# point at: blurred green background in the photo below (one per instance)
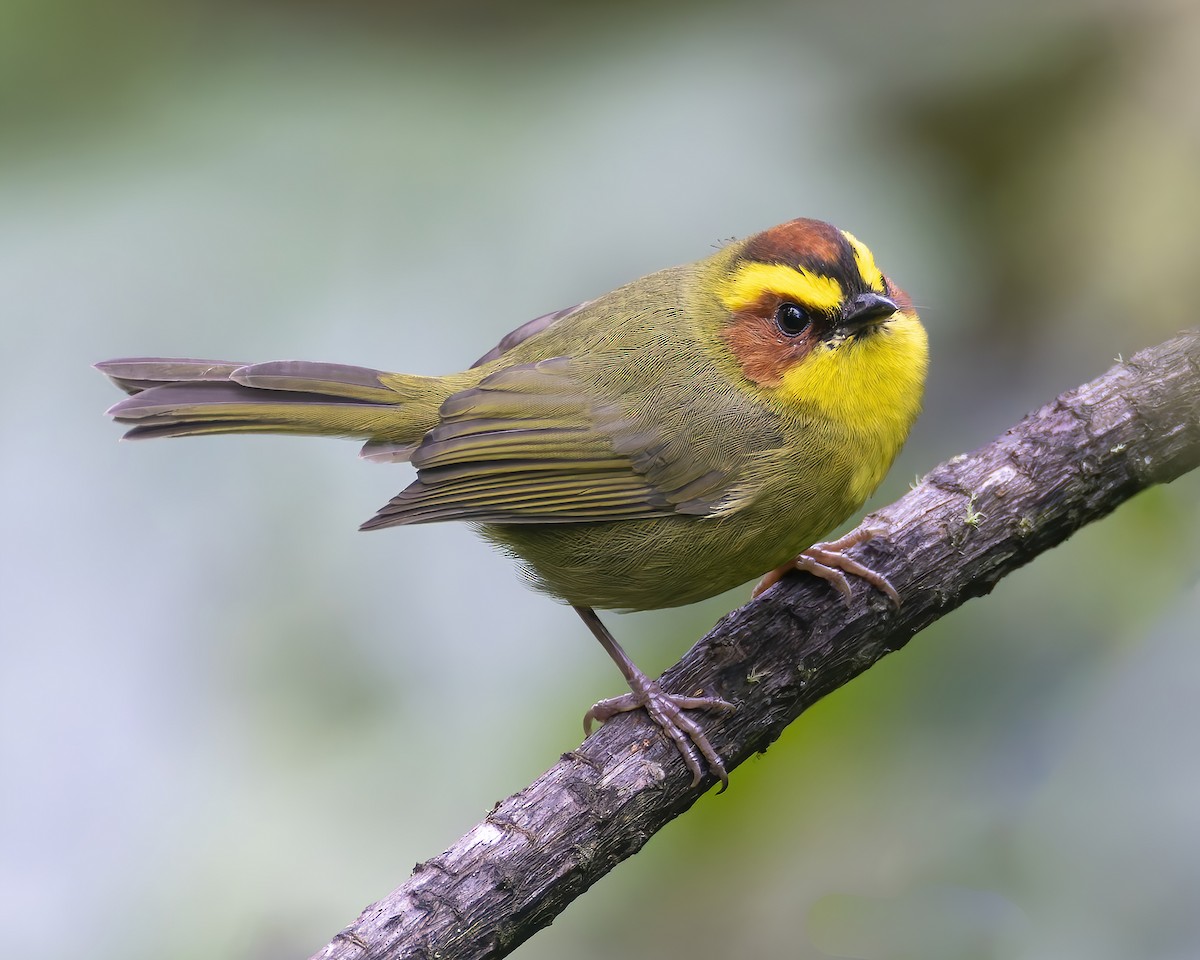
(229, 721)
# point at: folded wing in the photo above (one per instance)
(533, 444)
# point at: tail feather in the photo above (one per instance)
(141, 373)
(328, 379)
(180, 397)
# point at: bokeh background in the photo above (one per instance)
(228, 721)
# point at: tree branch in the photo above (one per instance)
(971, 521)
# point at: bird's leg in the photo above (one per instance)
(665, 709)
(827, 561)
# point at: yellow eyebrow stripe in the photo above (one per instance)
(870, 273)
(748, 285)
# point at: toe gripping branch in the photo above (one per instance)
(829, 562)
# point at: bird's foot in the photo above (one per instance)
(667, 710)
(827, 561)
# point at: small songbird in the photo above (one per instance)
(667, 441)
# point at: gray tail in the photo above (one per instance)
(181, 397)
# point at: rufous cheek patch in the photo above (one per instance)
(761, 349)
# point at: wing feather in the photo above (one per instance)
(532, 444)
(527, 330)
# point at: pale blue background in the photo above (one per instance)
(228, 721)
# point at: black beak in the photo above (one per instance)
(864, 310)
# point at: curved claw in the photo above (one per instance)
(827, 561)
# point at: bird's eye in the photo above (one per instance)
(792, 319)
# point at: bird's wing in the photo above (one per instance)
(531, 444)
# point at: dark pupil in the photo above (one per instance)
(792, 318)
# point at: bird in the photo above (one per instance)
(674, 438)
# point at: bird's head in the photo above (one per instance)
(809, 319)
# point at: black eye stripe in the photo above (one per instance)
(792, 319)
